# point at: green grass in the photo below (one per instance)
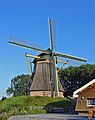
(22, 105)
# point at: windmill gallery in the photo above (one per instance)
(45, 81)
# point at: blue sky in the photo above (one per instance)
(28, 20)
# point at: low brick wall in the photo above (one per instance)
(44, 93)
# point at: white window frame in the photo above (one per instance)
(88, 101)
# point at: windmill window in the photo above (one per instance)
(91, 102)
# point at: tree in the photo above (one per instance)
(19, 85)
(73, 78)
(3, 98)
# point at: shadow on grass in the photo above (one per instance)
(60, 107)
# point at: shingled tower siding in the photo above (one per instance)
(43, 80)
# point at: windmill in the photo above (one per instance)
(45, 70)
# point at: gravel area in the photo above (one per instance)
(49, 117)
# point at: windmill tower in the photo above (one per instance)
(45, 77)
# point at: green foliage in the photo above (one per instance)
(73, 78)
(22, 105)
(19, 85)
(3, 98)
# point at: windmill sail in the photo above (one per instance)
(24, 44)
(70, 57)
(53, 58)
(52, 33)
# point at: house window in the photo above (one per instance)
(90, 101)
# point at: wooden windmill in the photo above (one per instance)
(45, 77)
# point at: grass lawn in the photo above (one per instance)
(22, 105)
